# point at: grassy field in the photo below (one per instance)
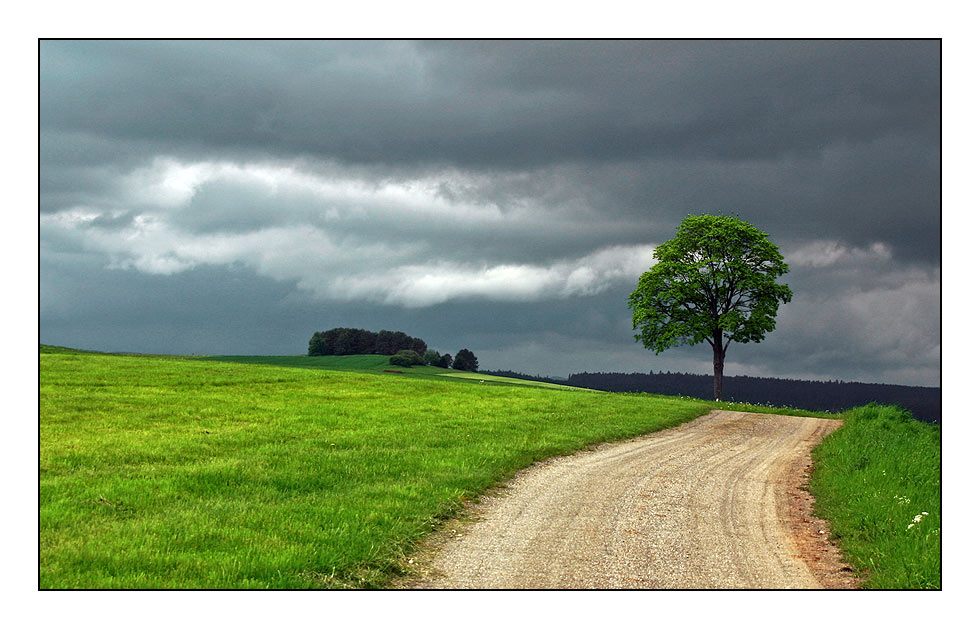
(877, 481)
(365, 362)
(311, 472)
(180, 472)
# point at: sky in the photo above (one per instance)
(233, 197)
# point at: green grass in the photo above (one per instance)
(743, 407)
(180, 472)
(361, 362)
(872, 478)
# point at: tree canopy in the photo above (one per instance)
(715, 281)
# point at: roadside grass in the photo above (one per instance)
(189, 473)
(877, 481)
(765, 409)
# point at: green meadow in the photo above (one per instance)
(304, 472)
(182, 472)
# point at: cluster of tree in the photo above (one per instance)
(925, 403)
(404, 350)
(434, 358)
(347, 341)
(408, 357)
(465, 359)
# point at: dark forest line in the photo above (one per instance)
(925, 403)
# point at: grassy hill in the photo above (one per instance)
(375, 364)
(187, 472)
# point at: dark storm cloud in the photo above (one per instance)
(492, 104)
(826, 132)
(503, 195)
(887, 190)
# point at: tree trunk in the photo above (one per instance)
(719, 363)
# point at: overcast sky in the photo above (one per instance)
(234, 197)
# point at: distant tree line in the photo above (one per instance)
(925, 403)
(523, 376)
(404, 350)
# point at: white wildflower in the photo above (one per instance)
(916, 520)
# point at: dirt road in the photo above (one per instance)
(713, 504)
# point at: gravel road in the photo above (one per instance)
(712, 504)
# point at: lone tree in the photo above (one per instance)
(465, 361)
(714, 281)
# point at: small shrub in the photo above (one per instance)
(406, 358)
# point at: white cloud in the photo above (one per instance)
(373, 272)
(167, 182)
(417, 285)
(321, 253)
(72, 217)
(826, 253)
(170, 184)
